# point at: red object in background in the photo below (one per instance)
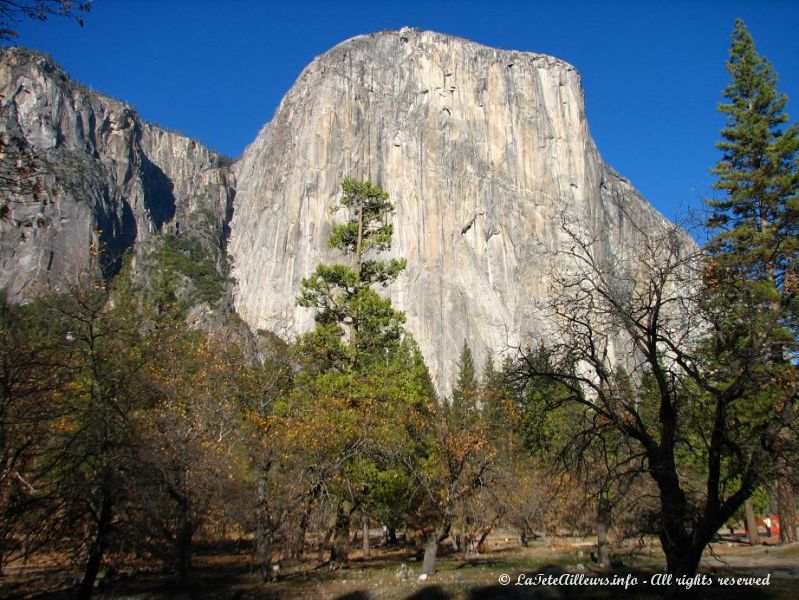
(775, 525)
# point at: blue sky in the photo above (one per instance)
(653, 72)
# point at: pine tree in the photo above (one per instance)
(464, 394)
(751, 277)
(494, 397)
(343, 295)
(758, 214)
(358, 377)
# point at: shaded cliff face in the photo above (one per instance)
(108, 180)
(484, 152)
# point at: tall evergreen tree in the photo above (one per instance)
(343, 295)
(709, 406)
(752, 274)
(758, 213)
(356, 372)
(464, 394)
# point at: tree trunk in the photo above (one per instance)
(298, 548)
(263, 536)
(751, 525)
(97, 549)
(431, 549)
(263, 541)
(321, 556)
(430, 554)
(602, 524)
(482, 547)
(341, 541)
(392, 535)
(786, 507)
(359, 244)
(183, 540)
(546, 537)
(681, 549)
(2, 554)
(682, 563)
(367, 554)
(5, 528)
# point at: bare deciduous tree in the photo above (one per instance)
(641, 351)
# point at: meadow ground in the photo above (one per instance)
(393, 574)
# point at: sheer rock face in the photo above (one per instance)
(484, 153)
(108, 179)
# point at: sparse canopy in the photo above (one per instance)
(368, 227)
(343, 295)
(14, 11)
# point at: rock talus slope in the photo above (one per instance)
(484, 152)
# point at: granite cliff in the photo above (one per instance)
(109, 181)
(484, 153)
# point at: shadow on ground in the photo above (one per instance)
(221, 581)
(577, 592)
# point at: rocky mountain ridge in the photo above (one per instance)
(110, 182)
(484, 152)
